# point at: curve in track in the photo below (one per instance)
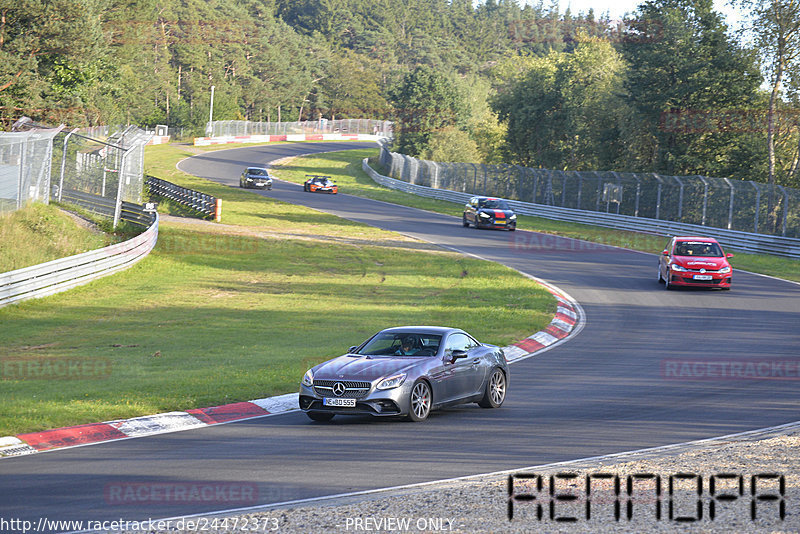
(603, 392)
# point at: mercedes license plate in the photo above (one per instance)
(340, 403)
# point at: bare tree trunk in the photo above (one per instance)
(773, 98)
(795, 162)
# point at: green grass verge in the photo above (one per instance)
(345, 168)
(39, 233)
(222, 313)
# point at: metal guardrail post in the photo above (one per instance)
(658, 197)
(120, 176)
(730, 205)
(758, 206)
(705, 198)
(21, 179)
(785, 208)
(680, 199)
(64, 163)
(598, 192)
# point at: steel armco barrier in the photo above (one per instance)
(743, 241)
(106, 206)
(205, 204)
(743, 206)
(65, 273)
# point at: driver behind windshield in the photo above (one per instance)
(408, 347)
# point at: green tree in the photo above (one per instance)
(44, 46)
(451, 144)
(351, 88)
(425, 102)
(683, 63)
(776, 24)
(527, 107)
(565, 112)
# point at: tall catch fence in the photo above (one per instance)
(92, 172)
(744, 206)
(104, 176)
(321, 126)
(25, 167)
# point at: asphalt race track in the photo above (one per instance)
(608, 390)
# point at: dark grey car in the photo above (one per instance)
(406, 371)
(257, 177)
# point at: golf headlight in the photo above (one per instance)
(676, 267)
(484, 215)
(308, 379)
(725, 269)
(392, 381)
(513, 217)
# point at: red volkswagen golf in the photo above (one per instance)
(694, 261)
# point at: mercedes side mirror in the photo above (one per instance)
(352, 349)
(457, 354)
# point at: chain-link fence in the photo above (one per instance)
(321, 126)
(111, 169)
(25, 165)
(745, 206)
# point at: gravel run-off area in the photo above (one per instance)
(768, 460)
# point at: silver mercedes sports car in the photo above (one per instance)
(406, 371)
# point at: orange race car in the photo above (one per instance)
(320, 184)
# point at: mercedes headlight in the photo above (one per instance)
(484, 215)
(308, 378)
(513, 217)
(392, 381)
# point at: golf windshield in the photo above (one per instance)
(402, 344)
(698, 248)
